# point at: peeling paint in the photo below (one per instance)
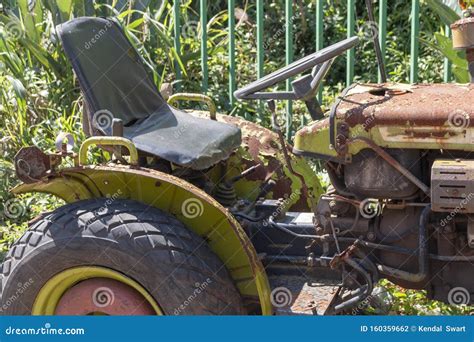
(261, 146)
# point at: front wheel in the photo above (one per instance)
(114, 257)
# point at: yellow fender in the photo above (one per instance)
(189, 204)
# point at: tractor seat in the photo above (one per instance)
(116, 85)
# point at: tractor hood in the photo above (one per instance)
(433, 116)
(401, 104)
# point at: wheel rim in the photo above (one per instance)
(93, 291)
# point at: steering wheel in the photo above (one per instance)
(304, 87)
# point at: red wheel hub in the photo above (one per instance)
(103, 296)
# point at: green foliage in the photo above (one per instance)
(413, 302)
(39, 94)
(445, 13)
(443, 44)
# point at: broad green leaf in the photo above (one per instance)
(456, 57)
(461, 74)
(31, 15)
(446, 13)
(60, 9)
(65, 9)
(445, 45)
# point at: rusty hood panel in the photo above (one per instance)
(400, 104)
(422, 116)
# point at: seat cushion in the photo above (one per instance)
(115, 83)
(184, 139)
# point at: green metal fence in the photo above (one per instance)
(289, 53)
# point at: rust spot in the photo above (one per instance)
(301, 205)
(461, 22)
(259, 174)
(263, 148)
(314, 128)
(417, 105)
(282, 188)
(31, 164)
(253, 147)
(257, 138)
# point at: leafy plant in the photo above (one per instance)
(444, 44)
(413, 302)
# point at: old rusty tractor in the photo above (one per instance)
(201, 213)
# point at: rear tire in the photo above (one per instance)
(141, 242)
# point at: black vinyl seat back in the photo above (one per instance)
(115, 84)
(111, 73)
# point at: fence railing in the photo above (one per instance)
(289, 50)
